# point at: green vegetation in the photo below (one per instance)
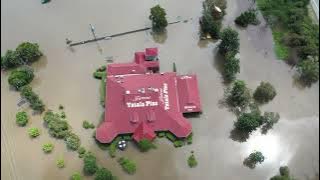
(90, 164)
(210, 21)
(87, 125)
(73, 141)
(127, 165)
(229, 41)
(25, 53)
(309, 71)
(22, 118)
(253, 159)
(63, 115)
(81, 152)
(264, 93)
(33, 132)
(247, 17)
(268, 120)
(103, 91)
(35, 102)
(171, 136)
(158, 18)
(76, 176)
(189, 139)
(21, 77)
(231, 66)
(248, 122)
(178, 143)
(113, 147)
(104, 174)
(161, 134)
(48, 147)
(126, 137)
(174, 67)
(145, 145)
(60, 163)
(61, 107)
(192, 162)
(238, 95)
(58, 128)
(290, 21)
(100, 72)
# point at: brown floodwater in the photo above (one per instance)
(65, 77)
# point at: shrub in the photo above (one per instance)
(47, 148)
(99, 75)
(284, 174)
(238, 95)
(34, 100)
(113, 147)
(76, 176)
(22, 118)
(87, 125)
(90, 164)
(268, 120)
(248, 122)
(10, 60)
(28, 52)
(209, 25)
(60, 163)
(145, 145)
(178, 143)
(104, 174)
(73, 141)
(21, 77)
(170, 136)
(246, 18)
(127, 165)
(284, 171)
(81, 152)
(61, 107)
(33, 132)
(229, 41)
(309, 71)
(189, 138)
(264, 93)
(192, 162)
(63, 115)
(161, 134)
(231, 66)
(256, 157)
(158, 18)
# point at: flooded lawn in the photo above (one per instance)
(65, 77)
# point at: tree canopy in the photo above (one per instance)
(158, 18)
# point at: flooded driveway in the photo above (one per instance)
(65, 77)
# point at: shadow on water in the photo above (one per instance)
(40, 64)
(192, 115)
(218, 64)
(160, 37)
(240, 136)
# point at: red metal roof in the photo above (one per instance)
(142, 103)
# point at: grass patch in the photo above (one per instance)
(281, 50)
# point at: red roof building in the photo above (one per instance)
(141, 101)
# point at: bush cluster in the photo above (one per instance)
(87, 125)
(90, 164)
(33, 132)
(248, 122)
(246, 18)
(22, 118)
(104, 174)
(76, 176)
(58, 128)
(127, 165)
(158, 18)
(238, 95)
(34, 100)
(21, 77)
(81, 152)
(26, 52)
(73, 141)
(145, 145)
(47, 148)
(264, 93)
(256, 157)
(60, 163)
(309, 71)
(192, 162)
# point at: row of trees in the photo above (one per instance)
(35, 102)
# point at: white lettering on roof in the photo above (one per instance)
(166, 96)
(141, 104)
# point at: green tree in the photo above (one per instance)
(246, 18)
(48, 147)
(284, 174)
(127, 165)
(34, 100)
(158, 18)
(248, 122)
(309, 71)
(28, 52)
(192, 162)
(73, 141)
(60, 163)
(90, 164)
(209, 25)
(87, 125)
(238, 95)
(104, 174)
(21, 77)
(268, 120)
(229, 41)
(33, 132)
(256, 157)
(231, 66)
(22, 118)
(81, 152)
(76, 176)
(10, 60)
(264, 93)
(145, 145)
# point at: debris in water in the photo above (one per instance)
(44, 1)
(185, 21)
(21, 102)
(109, 59)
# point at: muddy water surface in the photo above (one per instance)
(65, 77)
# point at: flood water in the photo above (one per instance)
(65, 77)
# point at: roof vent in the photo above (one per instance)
(127, 92)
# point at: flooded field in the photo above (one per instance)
(64, 77)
